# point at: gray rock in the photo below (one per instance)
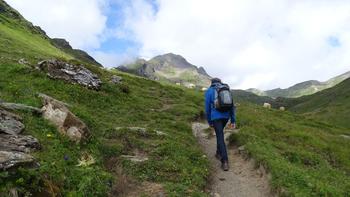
(10, 123)
(9, 159)
(67, 123)
(77, 74)
(15, 106)
(116, 79)
(18, 143)
(136, 158)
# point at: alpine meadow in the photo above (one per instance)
(71, 127)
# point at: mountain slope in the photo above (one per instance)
(20, 39)
(302, 89)
(169, 67)
(331, 105)
(133, 102)
(76, 53)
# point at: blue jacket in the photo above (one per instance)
(211, 112)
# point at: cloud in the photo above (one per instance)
(264, 44)
(248, 43)
(81, 22)
(112, 59)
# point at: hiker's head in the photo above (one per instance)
(215, 80)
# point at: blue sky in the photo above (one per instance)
(250, 43)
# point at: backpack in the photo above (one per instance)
(223, 101)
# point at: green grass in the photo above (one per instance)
(103, 111)
(331, 105)
(16, 43)
(304, 157)
(135, 102)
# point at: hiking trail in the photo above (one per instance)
(242, 180)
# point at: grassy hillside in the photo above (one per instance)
(139, 102)
(304, 157)
(331, 105)
(302, 89)
(20, 39)
(135, 102)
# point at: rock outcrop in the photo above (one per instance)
(67, 123)
(22, 107)
(9, 159)
(77, 74)
(116, 79)
(20, 143)
(14, 148)
(10, 123)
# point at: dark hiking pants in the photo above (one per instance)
(219, 126)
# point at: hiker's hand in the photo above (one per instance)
(232, 126)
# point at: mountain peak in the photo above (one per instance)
(173, 60)
(169, 67)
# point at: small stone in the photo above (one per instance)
(116, 79)
(23, 61)
(136, 159)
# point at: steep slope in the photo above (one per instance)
(76, 53)
(21, 40)
(163, 110)
(169, 67)
(302, 89)
(331, 105)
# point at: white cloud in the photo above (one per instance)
(248, 43)
(81, 22)
(111, 59)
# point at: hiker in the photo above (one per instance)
(219, 109)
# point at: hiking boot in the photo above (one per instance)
(217, 156)
(225, 166)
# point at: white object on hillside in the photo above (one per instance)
(267, 105)
(282, 108)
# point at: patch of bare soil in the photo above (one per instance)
(242, 180)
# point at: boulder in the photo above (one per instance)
(116, 79)
(9, 159)
(77, 74)
(18, 143)
(10, 123)
(67, 123)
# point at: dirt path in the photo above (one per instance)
(242, 180)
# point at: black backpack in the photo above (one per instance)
(223, 101)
